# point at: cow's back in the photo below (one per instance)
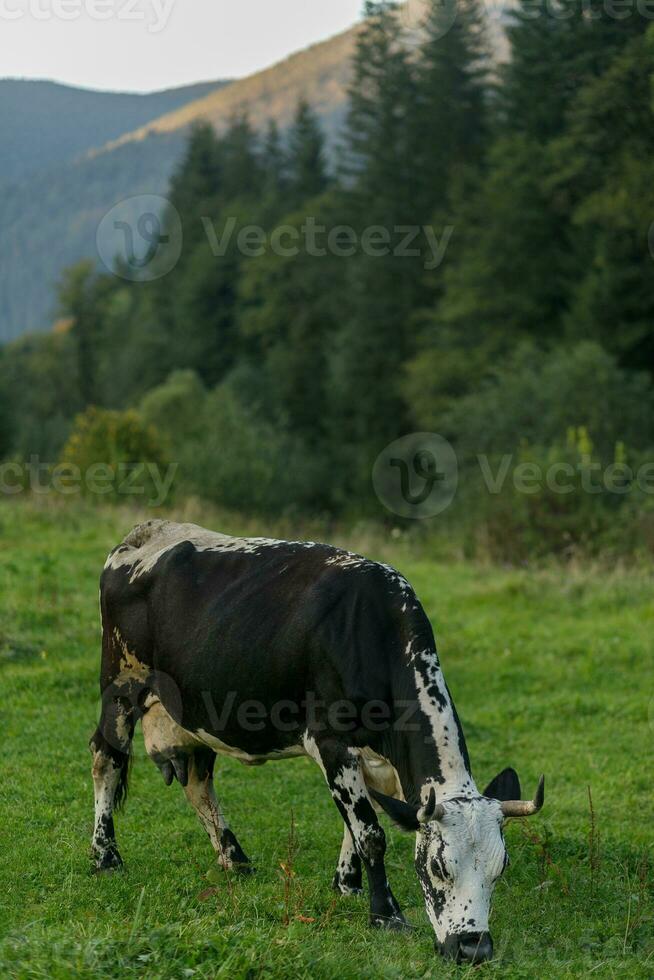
(235, 620)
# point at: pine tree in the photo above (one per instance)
(83, 296)
(381, 96)
(449, 120)
(555, 51)
(604, 168)
(275, 170)
(241, 169)
(197, 180)
(306, 158)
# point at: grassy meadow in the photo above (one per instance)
(552, 671)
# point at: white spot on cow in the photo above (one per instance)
(143, 547)
(436, 706)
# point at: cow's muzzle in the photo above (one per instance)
(468, 947)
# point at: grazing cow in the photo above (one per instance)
(264, 649)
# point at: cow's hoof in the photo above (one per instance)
(344, 888)
(390, 923)
(242, 869)
(108, 862)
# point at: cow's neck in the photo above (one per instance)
(429, 749)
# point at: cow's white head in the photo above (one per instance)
(460, 856)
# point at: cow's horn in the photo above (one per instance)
(431, 810)
(525, 808)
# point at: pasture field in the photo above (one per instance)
(552, 671)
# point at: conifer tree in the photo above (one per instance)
(274, 163)
(306, 158)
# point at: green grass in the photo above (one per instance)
(552, 671)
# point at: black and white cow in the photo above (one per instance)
(266, 649)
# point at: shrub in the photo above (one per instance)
(560, 501)
(116, 455)
(244, 462)
(536, 397)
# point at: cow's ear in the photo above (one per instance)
(402, 814)
(506, 786)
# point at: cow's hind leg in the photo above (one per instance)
(342, 768)
(348, 877)
(110, 745)
(179, 754)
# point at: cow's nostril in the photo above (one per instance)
(475, 948)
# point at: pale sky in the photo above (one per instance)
(142, 45)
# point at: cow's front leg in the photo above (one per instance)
(200, 794)
(342, 770)
(348, 875)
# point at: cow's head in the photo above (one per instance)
(460, 855)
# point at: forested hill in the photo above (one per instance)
(45, 125)
(48, 224)
(320, 74)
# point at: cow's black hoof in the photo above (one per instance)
(391, 924)
(343, 888)
(108, 862)
(243, 869)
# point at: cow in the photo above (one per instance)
(263, 649)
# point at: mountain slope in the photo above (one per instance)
(47, 225)
(320, 74)
(45, 125)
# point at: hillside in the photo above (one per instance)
(320, 74)
(45, 125)
(47, 225)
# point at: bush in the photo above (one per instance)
(536, 397)
(562, 501)
(244, 462)
(176, 408)
(116, 455)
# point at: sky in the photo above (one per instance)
(143, 45)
